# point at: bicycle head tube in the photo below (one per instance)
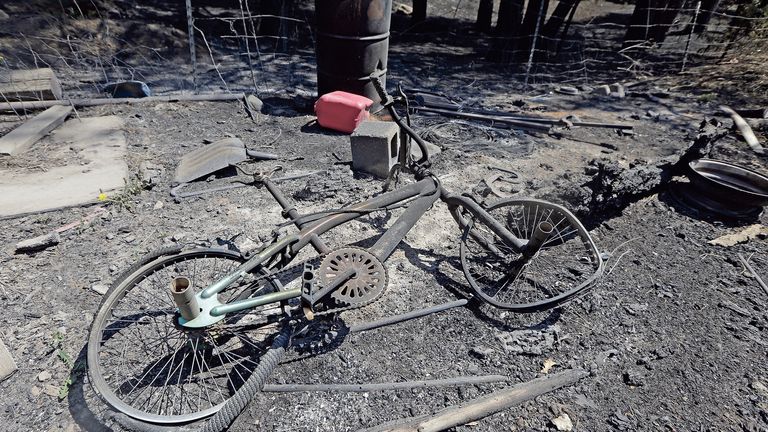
(388, 102)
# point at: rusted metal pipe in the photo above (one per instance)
(184, 296)
(540, 235)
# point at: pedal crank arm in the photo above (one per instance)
(340, 280)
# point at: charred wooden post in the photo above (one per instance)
(484, 15)
(419, 10)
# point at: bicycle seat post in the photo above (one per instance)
(290, 212)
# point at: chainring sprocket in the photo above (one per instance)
(369, 283)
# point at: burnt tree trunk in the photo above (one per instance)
(563, 9)
(419, 10)
(484, 15)
(534, 18)
(637, 29)
(551, 35)
(651, 21)
(270, 25)
(708, 8)
(664, 19)
(510, 15)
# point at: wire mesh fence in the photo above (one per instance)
(237, 45)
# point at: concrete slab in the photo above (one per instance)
(7, 364)
(100, 141)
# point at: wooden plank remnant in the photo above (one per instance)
(24, 106)
(483, 406)
(29, 85)
(7, 365)
(24, 136)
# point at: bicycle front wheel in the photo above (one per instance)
(144, 364)
(565, 265)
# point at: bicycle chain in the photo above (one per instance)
(314, 345)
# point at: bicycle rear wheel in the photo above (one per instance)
(144, 364)
(566, 264)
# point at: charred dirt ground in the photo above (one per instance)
(674, 334)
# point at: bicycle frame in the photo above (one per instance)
(422, 195)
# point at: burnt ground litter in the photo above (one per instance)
(673, 334)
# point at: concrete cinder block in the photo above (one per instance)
(375, 147)
(602, 90)
(617, 90)
(7, 365)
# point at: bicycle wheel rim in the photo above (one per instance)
(101, 324)
(590, 249)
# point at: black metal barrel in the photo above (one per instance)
(352, 43)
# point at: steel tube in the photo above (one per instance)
(354, 211)
(523, 122)
(513, 123)
(540, 235)
(184, 296)
(247, 266)
(484, 217)
(397, 232)
(255, 302)
(30, 105)
(314, 240)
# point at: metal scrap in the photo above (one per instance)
(749, 267)
(522, 122)
(236, 183)
(211, 158)
(744, 129)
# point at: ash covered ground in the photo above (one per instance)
(674, 334)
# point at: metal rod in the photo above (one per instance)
(191, 33)
(395, 319)
(255, 302)
(690, 35)
(539, 20)
(176, 191)
(184, 296)
(754, 273)
(507, 121)
(367, 387)
(249, 265)
(505, 118)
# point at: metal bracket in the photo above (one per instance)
(205, 317)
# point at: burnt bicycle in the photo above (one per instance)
(182, 330)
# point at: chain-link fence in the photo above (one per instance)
(235, 45)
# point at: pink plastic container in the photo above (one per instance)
(342, 111)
